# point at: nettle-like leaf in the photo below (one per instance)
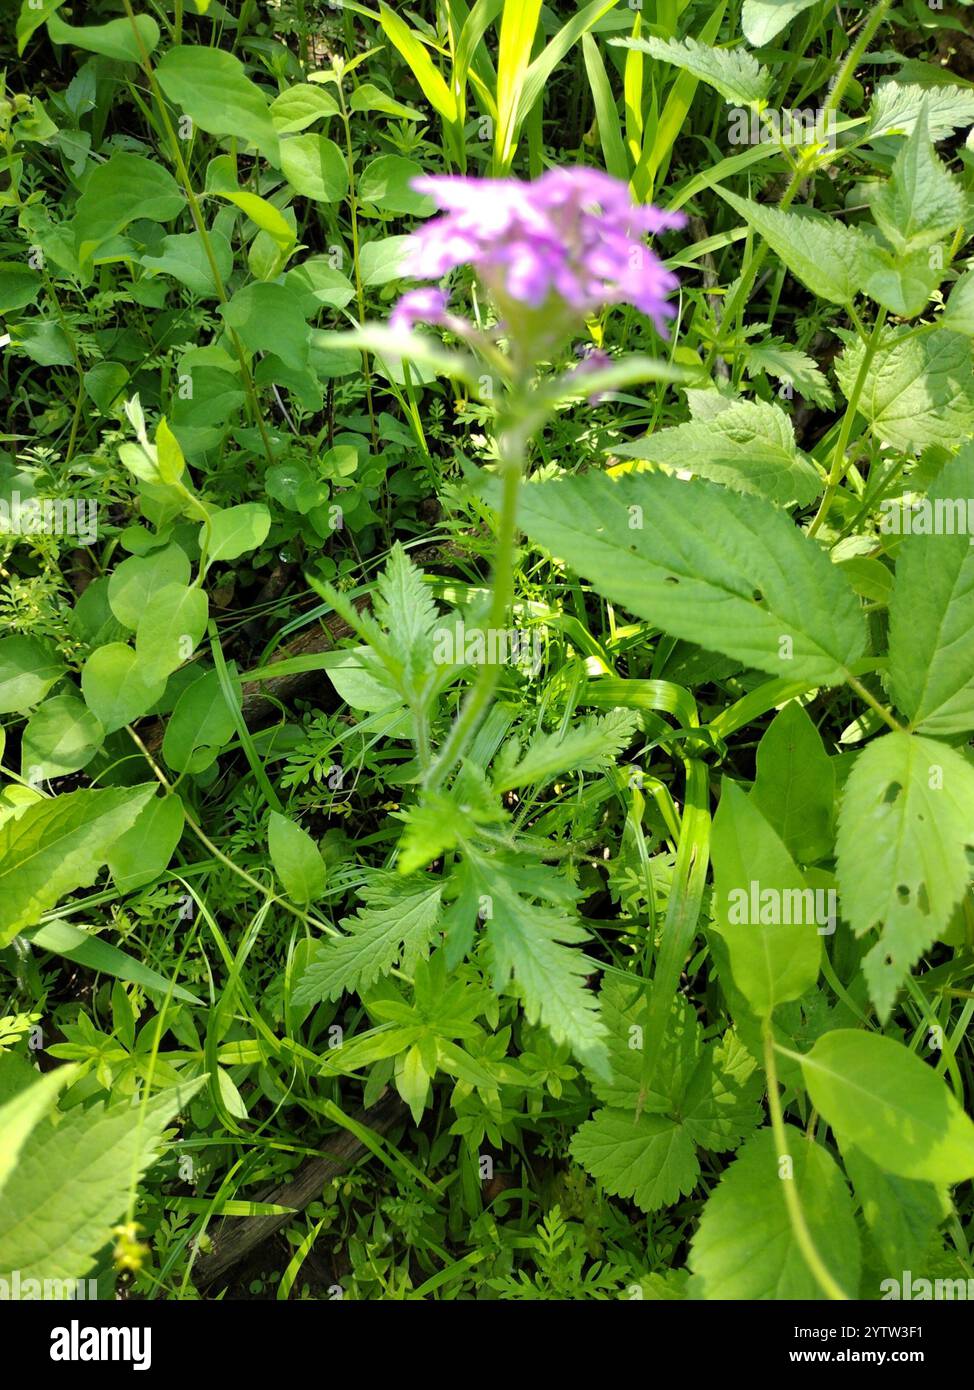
(792, 367)
(897, 107)
(734, 73)
(395, 925)
(931, 610)
(649, 1158)
(918, 390)
(880, 1097)
(530, 927)
(25, 1109)
(405, 608)
(444, 820)
(750, 447)
(921, 202)
(57, 845)
(401, 630)
(903, 281)
(588, 746)
(745, 1245)
(764, 908)
(833, 260)
(72, 1183)
(905, 824)
(642, 1143)
(727, 571)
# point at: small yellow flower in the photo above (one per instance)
(129, 1252)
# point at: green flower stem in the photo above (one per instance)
(197, 215)
(838, 469)
(512, 453)
(796, 1215)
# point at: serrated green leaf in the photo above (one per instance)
(931, 612)
(734, 73)
(55, 846)
(404, 607)
(587, 746)
(906, 819)
(833, 260)
(24, 1111)
(651, 1159)
(749, 447)
(896, 108)
(397, 922)
(726, 571)
(790, 365)
(73, 1180)
(531, 942)
(918, 391)
(921, 202)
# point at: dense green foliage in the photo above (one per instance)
(661, 928)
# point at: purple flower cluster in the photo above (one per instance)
(557, 249)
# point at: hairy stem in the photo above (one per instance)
(475, 706)
(838, 469)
